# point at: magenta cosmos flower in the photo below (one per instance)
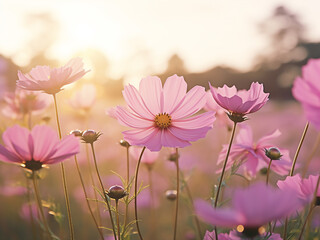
(252, 208)
(23, 102)
(34, 149)
(306, 89)
(162, 116)
(304, 187)
(51, 80)
(240, 103)
(252, 155)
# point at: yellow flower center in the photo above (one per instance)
(163, 120)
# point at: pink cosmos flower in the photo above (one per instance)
(304, 187)
(222, 117)
(234, 235)
(162, 116)
(51, 80)
(240, 103)
(306, 89)
(23, 102)
(251, 207)
(34, 149)
(253, 154)
(84, 98)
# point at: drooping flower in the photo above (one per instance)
(51, 80)
(240, 103)
(304, 187)
(34, 149)
(84, 99)
(251, 208)
(307, 91)
(23, 102)
(252, 155)
(163, 116)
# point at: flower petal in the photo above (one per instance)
(150, 89)
(131, 120)
(194, 100)
(136, 103)
(174, 90)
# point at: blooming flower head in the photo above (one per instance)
(34, 149)
(306, 90)
(162, 116)
(240, 103)
(304, 187)
(251, 208)
(252, 155)
(23, 102)
(51, 80)
(84, 98)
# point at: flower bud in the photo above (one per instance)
(76, 133)
(273, 153)
(124, 143)
(116, 192)
(173, 157)
(171, 195)
(90, 136)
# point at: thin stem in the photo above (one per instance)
(86, 197)
(93, 184)
(225, 164)
(103, 191)
(312, 206)
(309, 158)
(30, 210)
(177, 199)
(36, 192)
(63, 173)
(223, 171)
(191, 200)
(292, 170)
(117, 214)
(298, 149)
(268, 172)
(127, 189)
(136, 192)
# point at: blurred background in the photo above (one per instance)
(221, 42)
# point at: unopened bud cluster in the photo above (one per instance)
(116, 192)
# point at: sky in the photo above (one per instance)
(138, 37)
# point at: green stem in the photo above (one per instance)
(93, 184)
(117, 214)
(30, 210)
(127, 189)
(37, 195)
(298, 149)
(223, 171)
(268, 172)
(103, 191)
(86, 197)
(177, 199)
(136, 192)
(63, 173)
